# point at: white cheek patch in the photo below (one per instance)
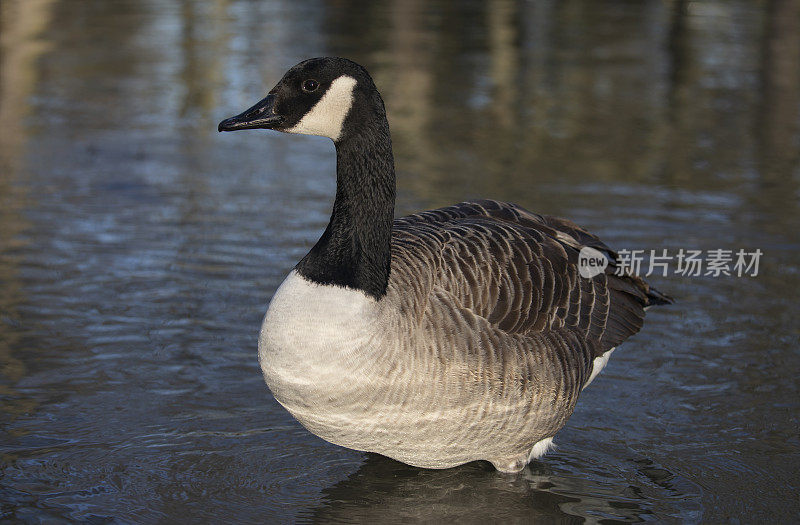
(327, 116)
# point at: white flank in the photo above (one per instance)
(541, 448)
(598, 364)
(327, 116)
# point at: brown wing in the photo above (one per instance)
(518, 270)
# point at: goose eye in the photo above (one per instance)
(310, 85)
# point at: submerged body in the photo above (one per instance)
(459, 334)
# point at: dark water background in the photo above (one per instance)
(139, 248)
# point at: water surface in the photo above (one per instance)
(139, 248)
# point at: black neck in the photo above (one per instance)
(355, 250)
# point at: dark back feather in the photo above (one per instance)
(518, 270)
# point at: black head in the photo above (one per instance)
(315, 97)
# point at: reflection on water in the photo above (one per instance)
(139, 248)
(546, 492)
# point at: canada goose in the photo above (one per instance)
(453, 335)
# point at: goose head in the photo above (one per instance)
(320, 96)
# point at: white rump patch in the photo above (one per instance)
(327, 116)
(598, 364)
(541, 448)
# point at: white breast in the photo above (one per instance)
(312, 333)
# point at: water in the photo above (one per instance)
(139, 249)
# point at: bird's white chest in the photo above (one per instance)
(313, 335)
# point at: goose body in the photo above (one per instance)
(453, 335)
